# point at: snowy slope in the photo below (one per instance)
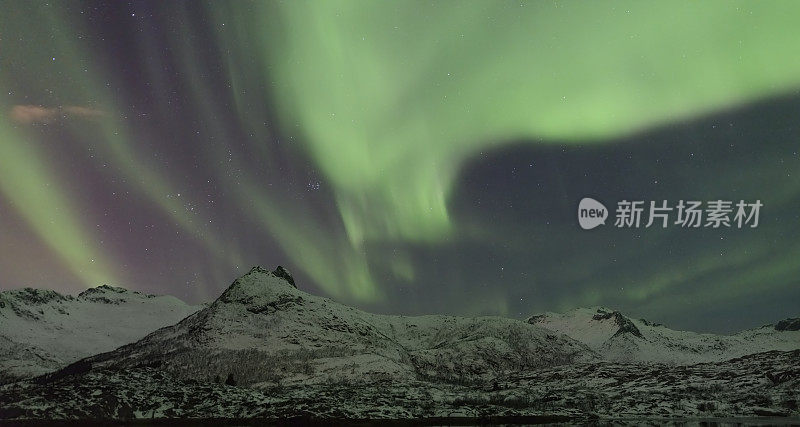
(597, 393)
(291, 354)
(42, 330)
(263, 330)
(619, 338)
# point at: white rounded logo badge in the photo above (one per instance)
(591, 213)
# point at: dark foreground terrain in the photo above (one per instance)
(265, 351)
(761, 385)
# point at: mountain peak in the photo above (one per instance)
(33, 296)
(108, 294)
(259, 284)
(625, 325)
(792, 324)
(279, 272)
(284, 274)
(103, 289)
(612, 322)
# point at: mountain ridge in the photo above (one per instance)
(620, 338)
(308, 328)
(283, 352)
(42, 330)
(270, 332)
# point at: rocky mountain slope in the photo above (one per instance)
(264, 331)
(617, 337)
(760, 389)
(42, 330)
(265, 350)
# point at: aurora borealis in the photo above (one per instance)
(404, 157)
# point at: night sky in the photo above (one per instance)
(405, 157)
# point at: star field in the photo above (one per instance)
(403, 157)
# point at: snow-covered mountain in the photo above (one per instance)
(267, 351)
(42, 330)
(262, 330)
(619, 338)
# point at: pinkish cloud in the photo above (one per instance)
(37, 114)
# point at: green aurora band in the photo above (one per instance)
(389, 99)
